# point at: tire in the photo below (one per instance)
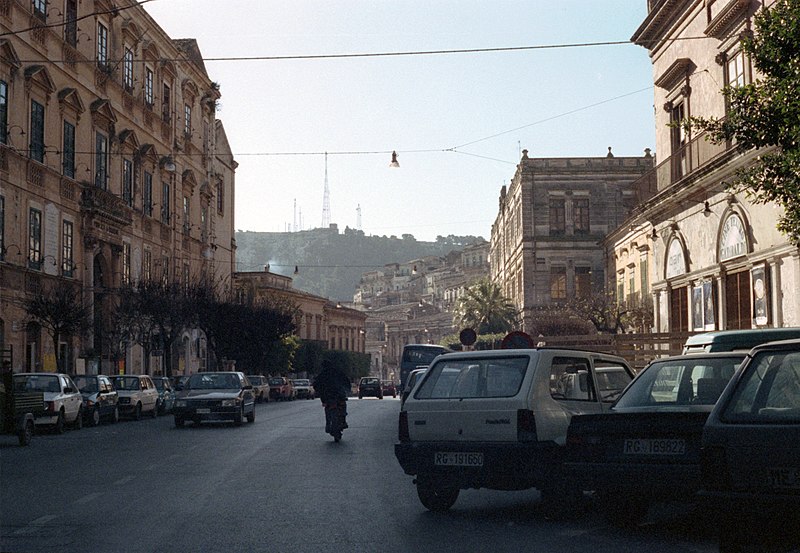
(179, 422)
(60, 423)
(137, 412)
(251, 416)
(435, 497)
(25, 434)
(154, 412)
(115, 415)
(94, 417)
(239, 417)
(77, 424)
(360, 396)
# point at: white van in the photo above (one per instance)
(498, 419)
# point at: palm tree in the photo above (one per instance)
(485, 309)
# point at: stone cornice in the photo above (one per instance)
(655, 25)
(730, 13)
(679, 69)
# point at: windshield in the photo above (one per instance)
(369, 381)
(36, 383)
(276, 382)
(769, 392)
(420, 355)
(256, 380)
(214, 381)
(86, 384)
(126, 383)
(682, 381)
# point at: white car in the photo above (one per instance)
(137, 394)
(63, 401)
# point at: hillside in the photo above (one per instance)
(330, 263)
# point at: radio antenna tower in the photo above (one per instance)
(358, 217)
(326, 199)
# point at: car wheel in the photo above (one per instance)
(161, 407)
(25, 434)
(179, 422)
(360, 396)
(115, 415)
(60, 423)
(77, 424)
(137, 412)
(239, 417)
(94, 417)
(251, 416)
(155, 411)
(436, 497)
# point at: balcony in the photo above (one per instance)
(697, 154)
(102, 204)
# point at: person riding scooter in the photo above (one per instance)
(332, 386)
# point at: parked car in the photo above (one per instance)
(99, 398)
(18, 410)
(303, 388)
(370, 386)
(497, 419)
(389, 388)
(413, 377)
(260, 387)
(166, 394)
(750, 453)
(178, 381)
(137, 395)
(62, 401)
(737, 340)
(646, 449)
(281, 388)
(215, 396)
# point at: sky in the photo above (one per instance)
(458, 121)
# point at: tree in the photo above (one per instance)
(61, 312)
(485, 309)
(766, 114)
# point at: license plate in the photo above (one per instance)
(784, 478)
(654, 447)
(458, 459)
(203, 411)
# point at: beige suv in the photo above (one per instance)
(137, 395)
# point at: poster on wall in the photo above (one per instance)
(709, 320)
(760, 305)
(697, 308)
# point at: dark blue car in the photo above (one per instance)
(99, 398)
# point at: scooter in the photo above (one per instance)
(334, 419)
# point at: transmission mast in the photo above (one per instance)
(358, 217)
(326, 199)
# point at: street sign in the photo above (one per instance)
(467, 337)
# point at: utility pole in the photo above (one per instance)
(326, 199)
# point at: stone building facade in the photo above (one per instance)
(715, 259)
(113, 168)
(545, 242)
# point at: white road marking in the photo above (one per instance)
(88, 498)
(35, 526)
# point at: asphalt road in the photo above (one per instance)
(279, 484)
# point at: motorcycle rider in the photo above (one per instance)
(332, 386)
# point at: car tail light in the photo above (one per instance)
(526, 426)
(714, 468)
(402, 428)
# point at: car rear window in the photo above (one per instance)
(684, 381)
(769, 391)
(474, 378)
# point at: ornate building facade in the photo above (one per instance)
(113, 168)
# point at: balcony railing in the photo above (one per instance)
(103, 203)
(688, 159)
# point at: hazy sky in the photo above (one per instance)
(411, 103)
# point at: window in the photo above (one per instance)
(631, 284)
(186, 277)
(71, 23)
(127, 69)
(102, 45)
(768, 391)
(40, 8)
(558, 283)
(734, 69)
(148, 87)
(580, 210)
(557, 217)
(583, 282)
(37, 131)
(35, 238)
(570, 379)
(165, 203)
(127, 182)
(101, 161)
(187, 119)
(126, 263)
(147, 198)
(68, 150)
(165, 269)
(645, 283)
(147, 266)
(2, 228)
(220, 197)
(67, 238)
(678, 140)
(166, 101)
(203, 222)
(186, 224)
(3, 112)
